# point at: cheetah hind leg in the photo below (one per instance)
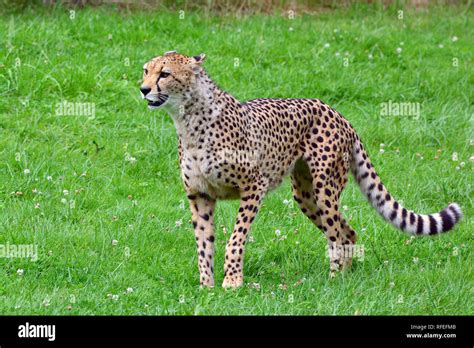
(304, 193)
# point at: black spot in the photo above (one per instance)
(403, 225)
(456, 214)
(447, 220)
(404, 213)
(433, 227)
(393, 215)
(419, 227)
(412, 218)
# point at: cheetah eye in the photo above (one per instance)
(164, 75)
(145, 71)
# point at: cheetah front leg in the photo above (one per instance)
(202, 208)
(234, 258)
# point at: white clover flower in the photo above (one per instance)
(254, 286)
(179, 223)
(370, 56)
(181, 204)
(113, 297)
(454, 157)
(251, 239)
(37, 206)
(26, 171)
(326, 45)
(20, 272)
(129, 290)
(400, 299)
(129, 158)
(337, 54)
(471, 158)
(278, 233)
(65, 192)
(63, 200)
(382, 151)
(455, 251)
(286, 202)
(440, 45)
(454, 39)
(114, 242)
(416, 260)
(46, 302)
(399, 50)
(462, 164)
(49, 178)
(392, 284)
(182, 299)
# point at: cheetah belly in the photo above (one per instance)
(200, 177)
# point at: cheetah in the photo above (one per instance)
(241, 150)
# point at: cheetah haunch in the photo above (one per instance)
(229, 149)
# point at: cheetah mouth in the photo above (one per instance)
(153, 104)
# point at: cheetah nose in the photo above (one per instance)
(145, 90)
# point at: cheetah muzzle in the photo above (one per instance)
(230, 149)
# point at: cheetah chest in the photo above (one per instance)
(200, 176)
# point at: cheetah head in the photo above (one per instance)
(168, 78)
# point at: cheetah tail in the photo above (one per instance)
(405, 220)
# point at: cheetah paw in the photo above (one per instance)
(233, 282)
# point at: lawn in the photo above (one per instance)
(101, 198)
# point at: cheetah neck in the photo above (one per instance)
(198, 108)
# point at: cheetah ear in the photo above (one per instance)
(199, 59)
(196, 63)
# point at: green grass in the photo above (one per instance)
(75, 60)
